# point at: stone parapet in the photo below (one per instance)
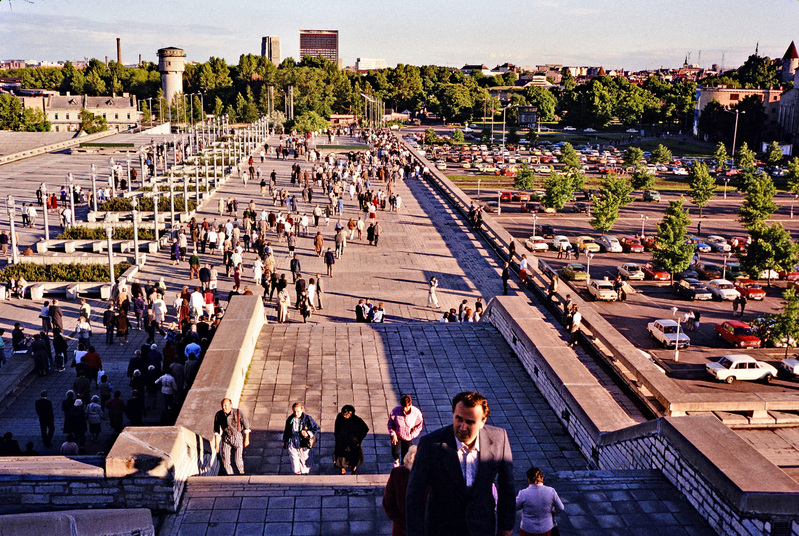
(122, 522)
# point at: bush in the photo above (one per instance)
(89, 233)
(122, 204)
(89, 273)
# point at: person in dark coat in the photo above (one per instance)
(44, 410)
(56, 317)
(394, 494)
(349, 432)
(75, 423)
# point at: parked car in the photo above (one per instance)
(630, 244)
(790, 275)
(750, 289)
(699, 244)
(790, 365)
(651, 195)
(547, 231)
(666, 331)
(520, 196)
(580, 207)
(650, 242)
(587, 244)
(609, 243)
(722, 290)
(718, 243)
(506, 196)
(655, 272)
(734, 271)
(602, 290)
(531, 206)
(491, 206)
(771, 275)
(441, 165)
(738, 243)
(686, 274)
(738, 334)
(536, 243)
(680, 171)
(557, 240)
(574, 272)
(708, 270)
(740, 367)
(630, 271)
(692, 289)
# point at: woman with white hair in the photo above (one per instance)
(394, 494)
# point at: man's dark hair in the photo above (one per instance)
(472, 399)
(405, 400)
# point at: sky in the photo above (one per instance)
(627, 34)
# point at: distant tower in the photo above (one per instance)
(171, 64)
(790, 63)
(270, 49)
(317, 43)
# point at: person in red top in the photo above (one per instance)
(95, 364)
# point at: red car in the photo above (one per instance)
(649, 242)
(655, 272)
(792, 275)
(738, 243)
(506, 196)
(750, 289)
(630, 244)
(738, 334)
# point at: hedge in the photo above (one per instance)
(89, 273)
(89, 233)
(122, 204)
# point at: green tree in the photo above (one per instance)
(10, 112)
(430, 136)
(721, 157)
(786, 323)
(458, 136)
(95, 85)
(642, 179)
(771, 249)
(792, 175)
(525, 178)
(90, 123)
(513, 136)
(569, 157)
(456, 102)
(310, 122)
(485, 135)
(774, 154)
(219, 107)
(35, 120)
(633, 156)
(759, 203)
(745, 158)
(544, 100)
(661, 154)
(758, 72)
(531, 136)
(199, 113)
(614, 194)
(558, 191)
(674, 254)
(702, 184)
(277, 120)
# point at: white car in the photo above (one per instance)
(569, 128)
(680, 171)
(630, 271)
(665, 331)
(536, 243)
(602, 290)
(790, 365)
(558, 240)
(740, 367)
(721, 289)
(441, 165)
(609, 243)
(718, 243)
(769, 274)
(589, 130)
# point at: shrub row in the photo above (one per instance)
(89, 233)
(90, 273)
(122, 204)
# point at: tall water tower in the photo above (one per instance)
(171, 64)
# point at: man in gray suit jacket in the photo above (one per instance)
(450, 487)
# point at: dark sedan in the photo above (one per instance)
(693, 289)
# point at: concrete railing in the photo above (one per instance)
(729, 483)
(55, 146)
(123, 522)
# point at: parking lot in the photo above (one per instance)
(655, 299)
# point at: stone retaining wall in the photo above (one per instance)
(55, 146)
(121, 522)
(728, 482)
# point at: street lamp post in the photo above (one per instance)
(71, 182)
(643, 221)
(674, 312)
(499, 202)
(134, 203)
(10, 207)
(792, 200)
(478, 188)
(156, 198)
(196, 185)
(186, 194)
(535, 220)
(111, 178)
(504, 109)
(108, 232)
(726, 180)
(171, 181)
(46, 223)
(127, 159)
(94, 188)
(724, 270)
(735, 131)
(588, 256)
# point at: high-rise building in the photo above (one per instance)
(270, 49)
(317, 43)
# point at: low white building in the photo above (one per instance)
(63, 111)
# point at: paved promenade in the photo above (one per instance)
(332, 361)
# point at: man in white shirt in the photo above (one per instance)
(196, 303)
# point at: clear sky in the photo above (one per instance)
(629, 34)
